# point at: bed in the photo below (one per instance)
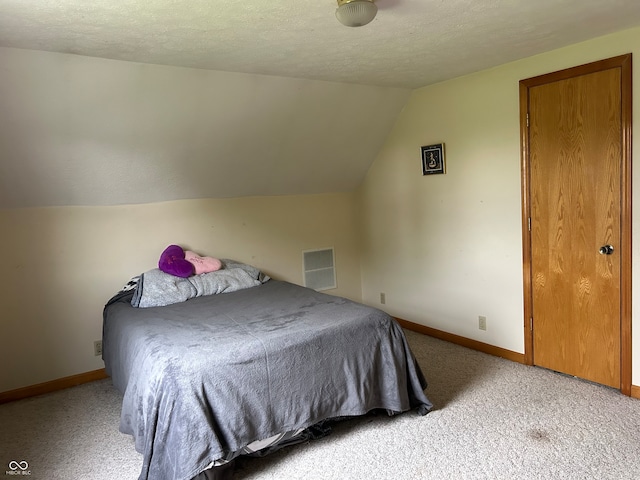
(252, 368)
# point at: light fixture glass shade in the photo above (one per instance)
(355, 13)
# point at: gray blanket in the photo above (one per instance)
(158, 289)
(209, 376)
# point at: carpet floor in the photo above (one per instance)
(493, 419)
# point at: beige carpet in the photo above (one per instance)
(494, 419)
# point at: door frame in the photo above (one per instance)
(624, 63)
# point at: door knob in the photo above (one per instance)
(606, 250)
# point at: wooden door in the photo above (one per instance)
(577, 182)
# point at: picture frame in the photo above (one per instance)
(433, 161)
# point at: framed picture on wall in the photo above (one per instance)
(433, 159)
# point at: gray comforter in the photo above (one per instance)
(210, 375)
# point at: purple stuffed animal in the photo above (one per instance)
(173, 261)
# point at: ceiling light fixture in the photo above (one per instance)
(356, 13)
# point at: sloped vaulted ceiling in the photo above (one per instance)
(109, 102)
(77, 130)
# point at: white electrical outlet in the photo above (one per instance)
(482, 322)
(97, 348)
(383, 298)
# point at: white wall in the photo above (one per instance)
(448, 248)
(444, 249)
(80, 134)
(61, 264)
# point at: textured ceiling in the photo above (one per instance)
(411, 43)
(280, 97)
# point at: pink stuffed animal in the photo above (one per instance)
(202, 264)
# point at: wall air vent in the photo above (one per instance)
(319, 269)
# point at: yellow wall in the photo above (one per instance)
(63, 263)
(448, 248)
(443, 248)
